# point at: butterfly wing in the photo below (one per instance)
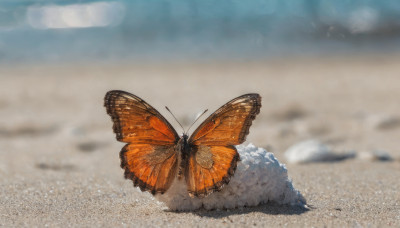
(213, 158)
(135, 121)
(149, 159)
(151, 167)
(230, 124)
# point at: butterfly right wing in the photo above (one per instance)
(213, 158)
(230, 124)
(149, 159)
(209, 169)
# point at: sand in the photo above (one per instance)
(59, 163)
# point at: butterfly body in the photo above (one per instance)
(155, 155)
(183, 150)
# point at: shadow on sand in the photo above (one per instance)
(270, 208)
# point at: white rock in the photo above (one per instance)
(314, 151)
(259, 178)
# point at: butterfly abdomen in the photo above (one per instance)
(183, 149)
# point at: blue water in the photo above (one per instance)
(194, 29)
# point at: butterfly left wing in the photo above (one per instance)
(151, 167)
(135, 121)
(149, 158)
(213, 158)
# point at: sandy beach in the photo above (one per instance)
(59, 160)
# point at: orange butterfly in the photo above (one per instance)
(154, 154)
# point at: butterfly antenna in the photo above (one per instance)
(197, 119)
(175, 118)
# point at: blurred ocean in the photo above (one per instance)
(61, 30)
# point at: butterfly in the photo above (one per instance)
(154, 154)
